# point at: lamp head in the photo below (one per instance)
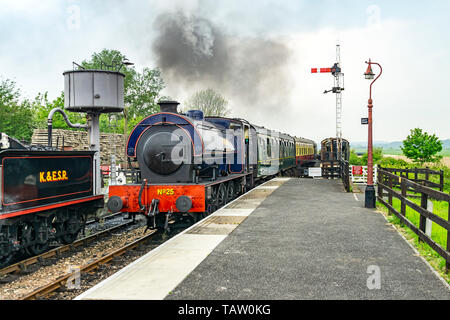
(369, 73)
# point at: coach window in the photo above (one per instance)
(269, 149)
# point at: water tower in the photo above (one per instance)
(93, 92)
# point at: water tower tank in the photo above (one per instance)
(98, 91)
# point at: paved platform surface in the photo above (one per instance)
(309, 240)
(158, 272)
(287, 239)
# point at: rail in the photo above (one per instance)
(387, 181)
(62, 281)
(22, 266)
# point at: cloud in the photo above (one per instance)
(195, 53)
(258, 54)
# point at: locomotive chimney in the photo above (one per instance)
(168, 106)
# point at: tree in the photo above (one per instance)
(210, 102)
(362, 161)
(141, 90)
(377, 155)
(421, 147)
(42, 107)
(354, 158)
(16, 117)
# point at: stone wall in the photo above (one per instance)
(78, 140)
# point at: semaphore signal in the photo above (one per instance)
(336, 71)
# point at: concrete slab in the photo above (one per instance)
(153, 276)
(233, 212)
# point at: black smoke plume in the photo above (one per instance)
(250, 71)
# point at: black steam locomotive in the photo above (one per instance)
(45, 196)
(188, 165)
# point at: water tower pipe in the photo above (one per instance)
(66, 118)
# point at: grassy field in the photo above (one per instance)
(438, 234)
(398, 152)
(445, 160)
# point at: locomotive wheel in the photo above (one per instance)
(6, 251)
(230, 191)
(68, 238)
(221, 196)
(212, 203)
(30, 237)
(238, 188)
(4, 261)
(71, 229)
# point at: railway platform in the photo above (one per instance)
(286, 239)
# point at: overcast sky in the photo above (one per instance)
(40, 39)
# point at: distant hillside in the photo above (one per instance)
(395, 145)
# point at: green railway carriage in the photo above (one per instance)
(280, 153)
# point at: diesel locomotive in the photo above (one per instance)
(189, 165)
(45, 195)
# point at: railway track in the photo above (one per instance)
(62, 281)
(23, 266)
(60, 287)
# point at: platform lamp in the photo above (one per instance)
(370, 189)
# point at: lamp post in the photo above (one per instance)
(370, 190)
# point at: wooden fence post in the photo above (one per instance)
(390, 193)
(403, 205)
(380, 188)
(422, 219)
(441, 181)
(447, 263)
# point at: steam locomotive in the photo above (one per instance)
(45, 195)
(189, 165)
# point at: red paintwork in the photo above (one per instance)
(299, 160)
(49, 207)
(357, 170)
(167, 195)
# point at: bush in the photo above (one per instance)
(354, 159)
(389, 162)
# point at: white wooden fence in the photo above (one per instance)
(363, 177)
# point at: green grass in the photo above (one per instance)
(438, 233)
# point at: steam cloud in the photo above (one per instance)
(249, 71)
